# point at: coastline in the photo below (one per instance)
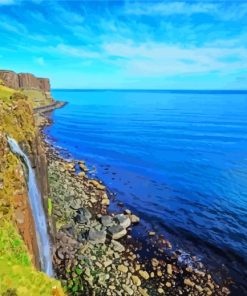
(88, 215)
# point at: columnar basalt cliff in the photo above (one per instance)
(24, 80)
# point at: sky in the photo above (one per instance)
(127, 44)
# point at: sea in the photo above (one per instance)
(176, 159)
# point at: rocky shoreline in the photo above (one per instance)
(93, 250)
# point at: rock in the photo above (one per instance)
(107, 263)
(143, 292)
(69, 166)
(24, 80)
(97, 237)
(188, 282)
(117, 246)
(151, 233)
(137, 267)
(97, 184)
(168, 284)
(106, 221)
(136, 281)
(117, 231)
(161, 291)
(83, 216)
(159, 273)
(134, 219)
(122, 268)
(169, 269)
(211, 286)
(127, 212)
(83, 167)
(122, 220)
(199, 288)
(105, 202)
(155, 262)
(144, 274)
(81, 174)
(60, 254)
(128, 290)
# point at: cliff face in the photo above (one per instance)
(24, 80)
(10, 79)
(18, 245)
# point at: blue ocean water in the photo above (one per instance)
(177, 159)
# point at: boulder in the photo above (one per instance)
(116, 231)
(83, 216)
(106, 221)
(122, 220)
(134, 219)
(97, 236)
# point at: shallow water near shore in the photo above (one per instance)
(177, 159)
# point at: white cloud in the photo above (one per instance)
(79, 52)
(12, 25)
(154, 59)
(233, 10)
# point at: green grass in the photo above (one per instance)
(49, 206)
(16, 271)
(5, 93)
(37, 97)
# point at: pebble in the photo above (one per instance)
(199, 288)
(136, 281)
(128, 290)
(169, 269)
(211, 286)
(144, 274)
(122, 268)
(161, 291)
(155, 262)
(143, 292)
(188, 282)
(159, 273)
(168, 284)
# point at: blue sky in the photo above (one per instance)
(127, 44)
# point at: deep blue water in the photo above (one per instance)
(178, 160)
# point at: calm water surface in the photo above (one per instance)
(178, 160)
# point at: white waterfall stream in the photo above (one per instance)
(37, 211)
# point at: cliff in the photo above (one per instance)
(19, 258)
(24, 80)
(37, 89)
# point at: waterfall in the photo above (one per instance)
(37, 211)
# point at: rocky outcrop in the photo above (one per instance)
(44, 84)
(10, 79)
(24, 80)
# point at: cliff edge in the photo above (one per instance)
(38, 89)
(19, 258)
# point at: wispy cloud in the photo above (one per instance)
(137, 41)
(78, 52)
(152, 59)
(232, 10)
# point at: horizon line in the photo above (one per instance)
(150, 89)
